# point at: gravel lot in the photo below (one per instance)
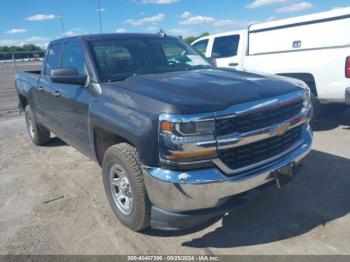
(52, 202)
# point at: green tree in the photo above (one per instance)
(189, 39)
(24, 48)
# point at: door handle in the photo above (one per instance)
(233, 64)
(40, 88)
(56, 94)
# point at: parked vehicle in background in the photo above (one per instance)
(179, 141)
(313, 48)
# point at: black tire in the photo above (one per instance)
(126, 157)
(38, 134)
(325, 110)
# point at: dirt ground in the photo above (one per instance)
(52, 202)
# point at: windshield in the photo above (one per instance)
(117, 59)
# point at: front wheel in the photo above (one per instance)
(124, 186)
(39, 135)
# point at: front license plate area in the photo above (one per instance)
(284, 175)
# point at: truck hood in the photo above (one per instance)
(207, 90)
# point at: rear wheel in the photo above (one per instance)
(124, 186)
(326, 110)
(39, 135)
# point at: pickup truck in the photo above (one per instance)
(311, 48)
(179, 141)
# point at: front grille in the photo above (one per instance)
(246, 155)
(257, 120)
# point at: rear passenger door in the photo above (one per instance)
(225, 51)
(46, 88)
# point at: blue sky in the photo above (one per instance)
(38, 21)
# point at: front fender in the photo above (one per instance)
(138, 128)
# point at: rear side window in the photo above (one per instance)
(73, 56)
(201, 46)
(53, 58)
(225, 46)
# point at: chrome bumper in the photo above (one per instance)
(208, 188)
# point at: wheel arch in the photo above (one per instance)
(104, 139)
(308, 78)
(23, 102)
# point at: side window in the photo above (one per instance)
(201, 46)
(225, 46)
(53, 58)
(73, 56)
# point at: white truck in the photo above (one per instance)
(313, 48)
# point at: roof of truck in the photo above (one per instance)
(323, 16)
(113, 36)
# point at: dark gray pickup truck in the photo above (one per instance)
(179, 141)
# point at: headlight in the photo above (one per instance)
(302, 84)
(307, 104)
(186, 140)
(307, 100)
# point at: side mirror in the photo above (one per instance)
(67, 75)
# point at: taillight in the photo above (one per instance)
(347, 67)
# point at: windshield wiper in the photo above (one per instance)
(120, 78)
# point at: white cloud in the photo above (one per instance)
(181, 31)
(152, 19)
(120, 30)
(227, 22)
(294, 7)
(37, 40)
(337, 8)
(260, 3)
(271, 18)
(186, 14)
(16, 31)
(73, 32)
(7, 42)
(100, 9)
(70, 33)
(152, 29)
(40, 17)
(198, 19)
(158, 2)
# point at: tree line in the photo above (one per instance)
(22, 52)
(24, 48)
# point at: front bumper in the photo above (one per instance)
(184, 191)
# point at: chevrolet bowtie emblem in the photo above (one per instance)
(280, 130)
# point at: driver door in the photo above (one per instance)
(72, 101)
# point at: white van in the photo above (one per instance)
(313, 48)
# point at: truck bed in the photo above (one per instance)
(25, 80)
